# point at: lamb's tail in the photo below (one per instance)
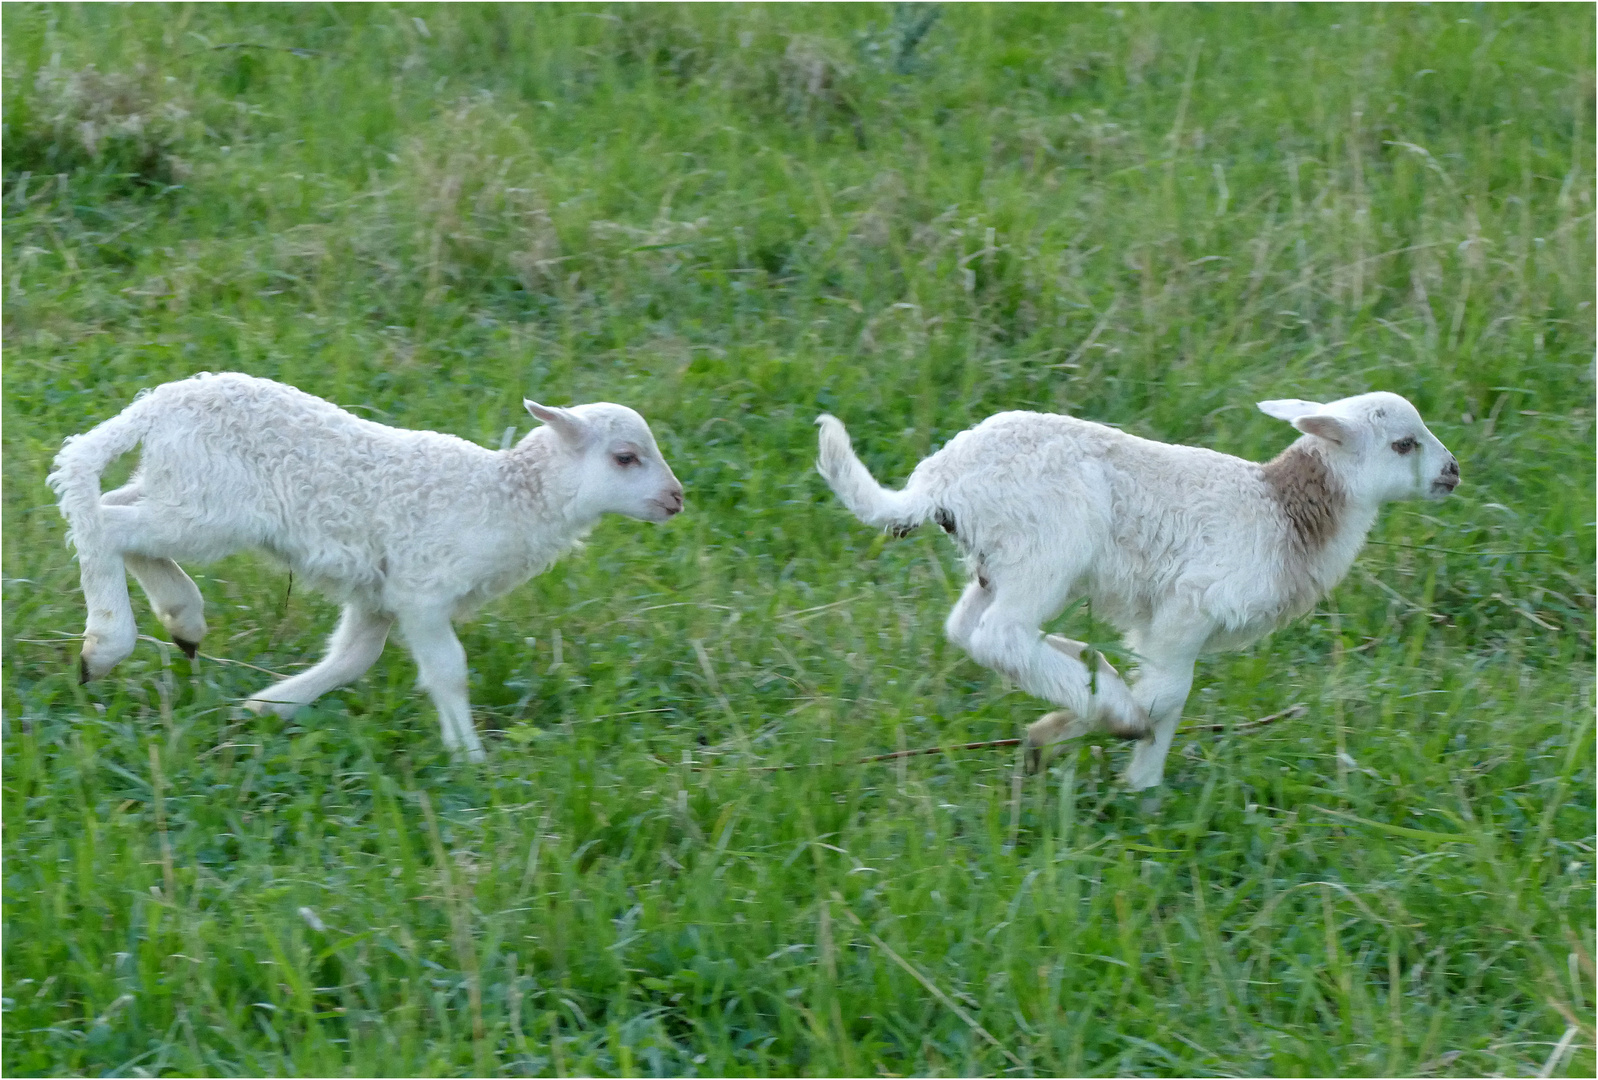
(899, 511)
(76, 476)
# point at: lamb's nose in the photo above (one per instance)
(1452, 468)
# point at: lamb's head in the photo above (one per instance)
(618, 467)
(1377, 445)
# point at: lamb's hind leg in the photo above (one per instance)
(1008, 640)
(1056, 727)
(173, 595)
(967, 613)
(354, 647)
(111, 630)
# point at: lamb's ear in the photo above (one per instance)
(1289, 409)
(567, 424)
(1327, 427)
(1308, 417)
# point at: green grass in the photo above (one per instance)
(733, 218)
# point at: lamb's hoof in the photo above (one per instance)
(191, 649)
(1044, 734)
(101, 652)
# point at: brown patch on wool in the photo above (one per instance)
(1311, 500)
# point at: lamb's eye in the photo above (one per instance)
(1405, 445)
(626, 459)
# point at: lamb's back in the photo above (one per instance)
(233, 462)
(240, 438)
(1149, 519)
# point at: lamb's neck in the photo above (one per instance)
(1326, 526)
(1338, 556)
(535, 477)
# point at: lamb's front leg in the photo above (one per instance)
(441, 665)
(175, 598)
(111, 630)
(353, 648)
(1163, 680)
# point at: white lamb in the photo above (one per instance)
(413, 527)
(1183, 549)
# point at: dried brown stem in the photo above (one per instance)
(1254, 725)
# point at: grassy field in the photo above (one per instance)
(733, 218)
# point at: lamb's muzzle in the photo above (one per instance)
(1445, 484)
(671, 501)
(1184, 549)
(406, 528)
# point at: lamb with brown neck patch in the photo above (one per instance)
(1183, 549)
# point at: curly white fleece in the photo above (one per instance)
(414, 526)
